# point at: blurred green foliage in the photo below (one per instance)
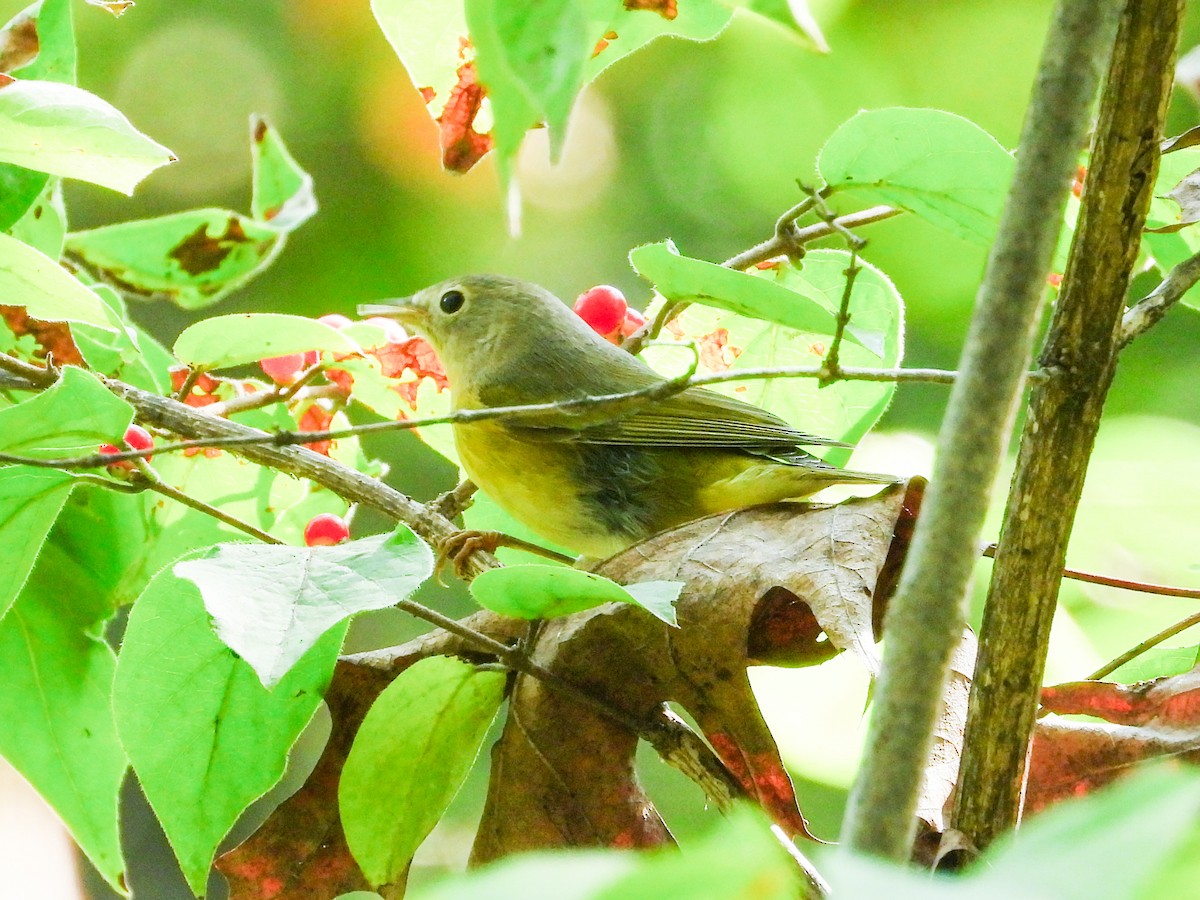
(700, 143)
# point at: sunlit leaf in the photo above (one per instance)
(283, 192)
(938, 165)
(63, 130)
(539, 591)
(56, 699)
(31, 279)
(30, 501)
(270, 603)
(232, 340)
(203, 760)
(73, 417)
(410, 757)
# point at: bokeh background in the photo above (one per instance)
(701, 143)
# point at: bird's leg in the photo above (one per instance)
(458, 547)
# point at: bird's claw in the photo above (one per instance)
(457, 548)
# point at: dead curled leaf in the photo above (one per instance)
(1141, 721)
(1186, 195)
(784, 584)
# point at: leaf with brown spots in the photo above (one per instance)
(462, 145)
(53, 338)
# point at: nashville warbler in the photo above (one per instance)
(596, 480)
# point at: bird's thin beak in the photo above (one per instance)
(400, 309)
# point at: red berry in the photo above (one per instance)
(325, 530)
(138, 438)
(603, 308)
(335, 320)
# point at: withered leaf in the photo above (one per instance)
(563, 775)
(1187, 195)
(1154, 718)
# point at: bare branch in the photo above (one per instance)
(1169, 632)
(1148, 311)
(925, 618)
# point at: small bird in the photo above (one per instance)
(596, 480)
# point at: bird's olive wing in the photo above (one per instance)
(694, 418)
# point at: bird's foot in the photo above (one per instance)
(458, 547)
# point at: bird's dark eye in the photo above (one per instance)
(452, 301)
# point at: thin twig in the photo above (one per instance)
(831, 365)
(1147, 312)
(155, 483)
(185, 389)
(42, 377)
(259, 399)
(1125, 584)
(1170, 631)
(622, 403)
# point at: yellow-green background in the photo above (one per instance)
(699, 143)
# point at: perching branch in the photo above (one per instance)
(925, 618)
(1056, 443)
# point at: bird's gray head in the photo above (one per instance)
(477, 321)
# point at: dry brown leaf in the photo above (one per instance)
(941, 773)
(564, 776)
(1186, 195)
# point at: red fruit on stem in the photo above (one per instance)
(603, 308)
(138, 438)
(325, 530)
(335, 320)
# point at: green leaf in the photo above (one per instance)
(793, 16)
(938, 165)
(71, 418)
(1102, 847)
(30, 501)
(1156, 663)
(427, 39)
(31, 279)
(697, 20)
(193, 258)
(283, 192)
(55, 702)
(531, 57)
(270, 603)
(540, 875)
(540, 591)
(679, 277)
(204, 736)
(410, 757)
(739, 859)
(126, 353)
(43, 225)
(50, 21)
(63, 130)
(247, 337)
(19, 190)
